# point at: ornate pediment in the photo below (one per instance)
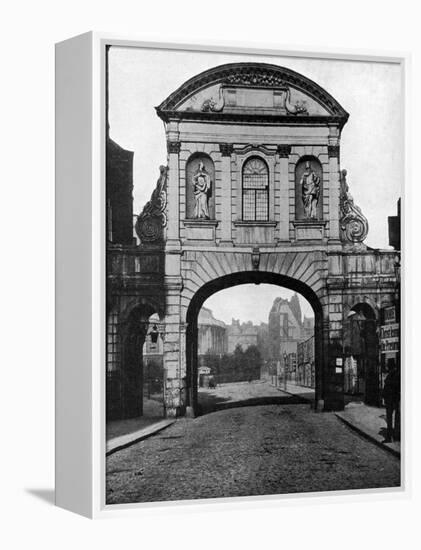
(253, 90)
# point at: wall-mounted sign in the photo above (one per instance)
(389, 315)
(389, 338)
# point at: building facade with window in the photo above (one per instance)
(305, 367)
(242, 155)
(212, 335)
(242, 334)
(287, 327)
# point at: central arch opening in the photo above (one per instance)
(253, 338)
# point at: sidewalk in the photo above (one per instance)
(133, 435)
(369, 422)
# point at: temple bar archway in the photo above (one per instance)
(211, 223)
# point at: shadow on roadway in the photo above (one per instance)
(209, 402)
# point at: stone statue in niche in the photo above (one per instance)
(310, 188)
(201, 187)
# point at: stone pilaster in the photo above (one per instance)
(174, 354)
(334, 191)
(172, 385)
(173, 190)
(226, 150)
(283, 152)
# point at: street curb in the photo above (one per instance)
(363, 432)
(119, 443)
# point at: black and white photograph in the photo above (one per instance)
(210, 265)
(253, 275)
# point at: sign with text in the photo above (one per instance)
(389, 338)
(390, 315)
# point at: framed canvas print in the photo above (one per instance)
(228, 274)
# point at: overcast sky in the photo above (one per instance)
(371, 144)
(250, 302)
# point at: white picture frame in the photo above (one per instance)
(80, 269)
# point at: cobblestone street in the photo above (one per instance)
(243, 393)
(257, 450)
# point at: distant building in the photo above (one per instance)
(212, 337)
(263, 340)
(119, 182)
(242, 334)
(308, 327)
(287, 327)
(390, 313)
(395, 228)
(305, 367)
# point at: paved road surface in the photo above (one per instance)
(267, 449)
(244, 393)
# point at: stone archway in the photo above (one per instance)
(127, 378)
(240, 278)
(184, 257)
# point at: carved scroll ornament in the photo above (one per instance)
(214, 105)
(354, 225)
(150, 223)
(299, 108)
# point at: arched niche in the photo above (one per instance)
(196, 164)
(308, 189)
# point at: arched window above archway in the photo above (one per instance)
(255, 190)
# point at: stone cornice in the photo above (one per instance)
(309, 223)
(252, 118)
(255, 223)
(199, 222)
(384, 282)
